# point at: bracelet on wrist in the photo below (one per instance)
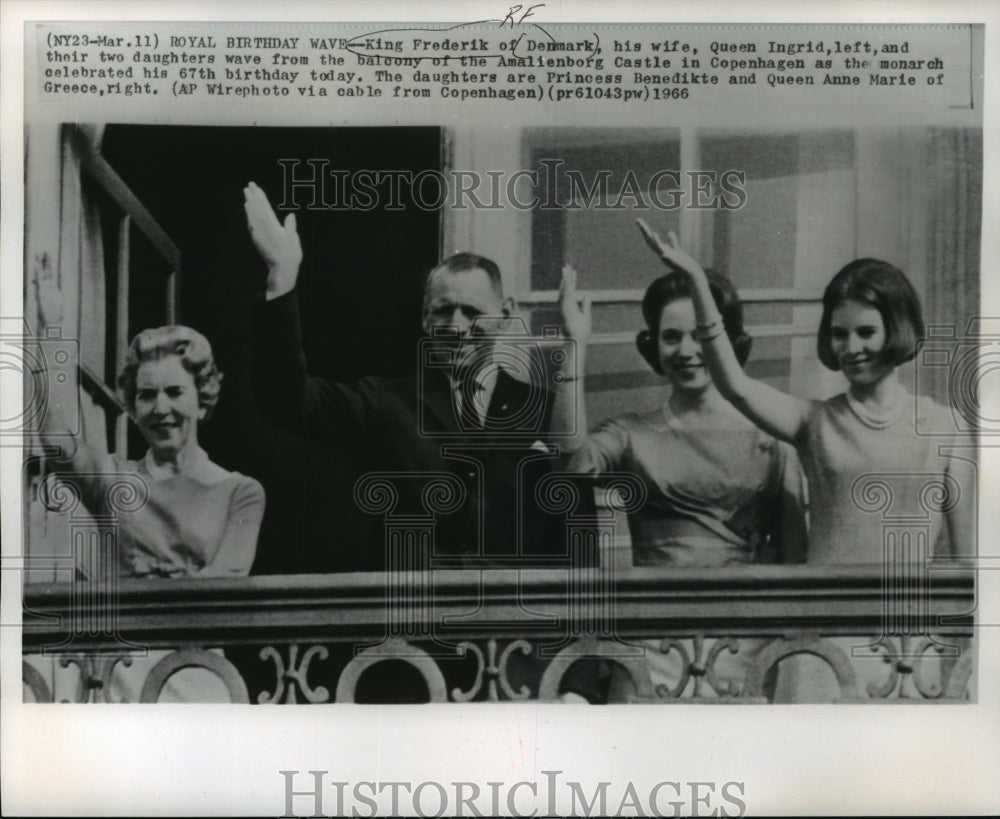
(706, 332)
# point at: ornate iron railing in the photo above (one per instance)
(660, 635)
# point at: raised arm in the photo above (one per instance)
(278, 357)
(568, 407)
(277, 243)
(289, 397)
(778, 413)
(61, 399)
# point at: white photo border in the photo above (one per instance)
(206, 760)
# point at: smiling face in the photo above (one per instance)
(456, 299)
(167, 409)
(679, 352)
(857, 339)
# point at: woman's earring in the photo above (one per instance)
(647, 349)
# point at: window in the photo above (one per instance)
(130, 278)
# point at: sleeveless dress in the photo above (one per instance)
(880, 491)
(863, 475)
(715, 497)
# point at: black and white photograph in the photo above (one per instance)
(510, 388)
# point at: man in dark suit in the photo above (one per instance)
(466, 440)
(480, 408)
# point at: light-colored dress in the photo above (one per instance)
(864, 475)
(879, 493)
(202, 522)
(715, 497)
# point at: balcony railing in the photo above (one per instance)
(492, 635)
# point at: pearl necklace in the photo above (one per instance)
(882, 420)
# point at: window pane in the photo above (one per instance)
(756, 245)
(600, 181)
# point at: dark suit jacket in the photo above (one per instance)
(407, 426)
(307, 485)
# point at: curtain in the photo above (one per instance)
(954, 222)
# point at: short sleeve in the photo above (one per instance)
(603, 450)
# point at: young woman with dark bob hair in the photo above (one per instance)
(863, 440)
(719, 491)
(865, 461)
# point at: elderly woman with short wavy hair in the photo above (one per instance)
(199, 519)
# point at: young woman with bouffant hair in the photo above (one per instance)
(870, 326)
(719, 491)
